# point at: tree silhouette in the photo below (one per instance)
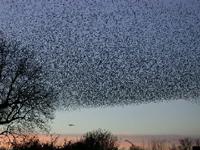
(95, 140)
(27, 99)
(100, 140)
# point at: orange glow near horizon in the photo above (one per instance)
(142, 141)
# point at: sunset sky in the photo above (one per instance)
(172, 118)
(122, 65)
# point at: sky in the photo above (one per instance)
(103, 53)
(111, 52)
(165, 118)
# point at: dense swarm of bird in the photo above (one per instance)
(104, 52)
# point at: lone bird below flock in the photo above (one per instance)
(71, 125)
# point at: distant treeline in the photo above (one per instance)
(98, 140)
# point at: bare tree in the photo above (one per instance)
(185, 144)
(27, 99)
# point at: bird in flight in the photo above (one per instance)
(71, 125)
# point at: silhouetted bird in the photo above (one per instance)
(71, 125)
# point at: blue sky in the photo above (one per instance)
(115, 52)
(176, 117)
